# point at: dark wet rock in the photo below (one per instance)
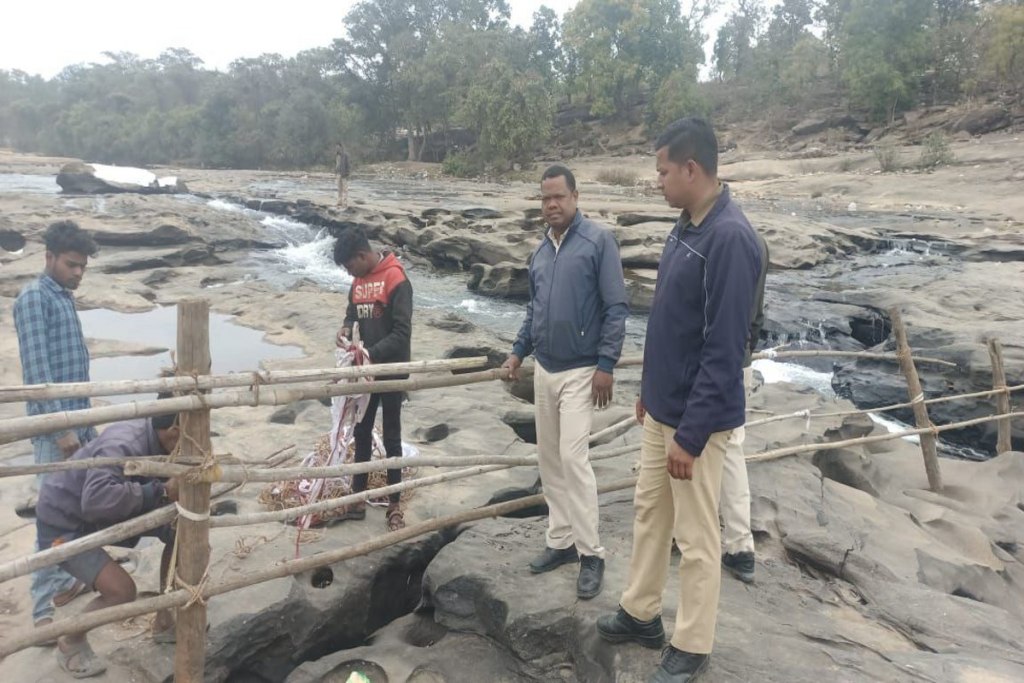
(433, 433)
(129, 263)
(521, 388)
(523, 423)
(162, 236)
(158, 277)
(77, 177)
(11, 240)
(515, 493)
(286, 415)
(452, 322)
(480, 214)
(504, 280)
(415, 649)
(271, 628)
(631, 218)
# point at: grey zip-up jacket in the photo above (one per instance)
(578, 307)
(87, 500)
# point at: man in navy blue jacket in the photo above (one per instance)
(691, 400)
(575, 324)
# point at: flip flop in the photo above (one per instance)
(80, 662)
(66, 596)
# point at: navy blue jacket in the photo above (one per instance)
(699, 325)
(578, 306)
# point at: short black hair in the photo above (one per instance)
(691, 138)
(559, 170)
(351, 242)
(64, 236)
(164, 421)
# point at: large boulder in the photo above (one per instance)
(504, 280)
(985, 119)
(77, 177)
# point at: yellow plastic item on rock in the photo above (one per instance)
(356, 677)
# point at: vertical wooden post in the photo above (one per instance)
(995, 352)
(928, 441)
(193, 536)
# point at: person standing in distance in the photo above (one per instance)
(691, 400)
(575, 324)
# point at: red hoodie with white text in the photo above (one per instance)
(381, 302)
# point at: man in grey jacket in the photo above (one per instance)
(575, 324)
(74, 503)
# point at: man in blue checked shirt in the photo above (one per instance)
(53, 350)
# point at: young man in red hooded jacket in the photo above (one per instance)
(380, 301)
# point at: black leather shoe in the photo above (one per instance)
(552, 559)
(740, 565)
(622, 628)
(588, 585)
(679, 667)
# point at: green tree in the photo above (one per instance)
(623, 49)
(510, 111)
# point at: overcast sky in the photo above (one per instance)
(42, 37)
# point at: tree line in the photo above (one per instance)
(425, 79)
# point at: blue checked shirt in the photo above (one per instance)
(51, 342)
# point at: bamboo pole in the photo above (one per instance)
(779, 353)
(615, 430)
(774, 354)
(240, 474)
(995, 351)
(883, 409)
(928, 440)
(109, 536)
(833, 445)
(25, 427)
(193, 535)
(112, 534)
(42, 392)
(109, 615)
(333, 503)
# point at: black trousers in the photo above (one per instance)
(392, 408)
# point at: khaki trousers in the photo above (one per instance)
(735, 504)
(564, 410)
(688, 510)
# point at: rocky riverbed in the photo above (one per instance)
(863, 574)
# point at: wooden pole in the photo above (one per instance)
(193, 539)
(109, 536)
(928, 439)
(90, 620)
(23, 427)
(995, 352)
(333, 503)
(41, 392)
(878, 438)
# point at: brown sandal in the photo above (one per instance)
(395, 517)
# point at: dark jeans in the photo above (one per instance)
(392, 405)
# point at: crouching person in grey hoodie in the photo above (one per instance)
(75, 503)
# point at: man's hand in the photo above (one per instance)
(342, 340)
(641, 412)
(601, 388)
(68, 444)
(512, 364)
(680, 463)
(171, 489)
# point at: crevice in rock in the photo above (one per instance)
(964, 593)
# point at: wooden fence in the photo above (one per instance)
(198, 468)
